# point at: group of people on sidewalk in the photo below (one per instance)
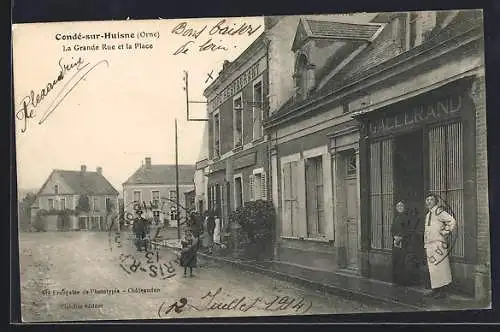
(203, 233)
(411, 252)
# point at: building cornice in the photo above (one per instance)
(258, 44)
(398, 65)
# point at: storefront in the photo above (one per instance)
(424, 144)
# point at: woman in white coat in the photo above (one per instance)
(438, 226)
(217, 230)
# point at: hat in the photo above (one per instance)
(138, 211)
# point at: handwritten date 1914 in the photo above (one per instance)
(215, 301)
(78, 69)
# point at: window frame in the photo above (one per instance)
(238, 176)
(257, 81)
(215, 114)
(235, 98)
(153, 199)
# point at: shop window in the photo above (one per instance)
(381, 193)
(446, 175)
(238, 121)
(315, 196)
(290, 199)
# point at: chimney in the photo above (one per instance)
(148, 162)
(99, 170)
(83, 168)
(225, 64)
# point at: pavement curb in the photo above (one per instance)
(332, 289)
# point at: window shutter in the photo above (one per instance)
(286, 224)
(263, 186)
(252, 187)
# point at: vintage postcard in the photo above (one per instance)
(252, 166)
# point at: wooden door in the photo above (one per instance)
(351, 223)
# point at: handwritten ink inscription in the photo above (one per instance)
(216, 301)
(72, 73)
(221, 29)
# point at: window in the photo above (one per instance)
(172, 196)
(290, 199)
(56, 189)
(216, 142)
(238, 191)
(108, 204)
(95, 203)
(258, 185)
(351, 168)
(300, 76)
(155, 195)
(51, 204)
(214, 198)
(137, 197)
(381, 193)
(238, 121)
(63, 204)
(446, 174)
(258, 109)
(315, 196)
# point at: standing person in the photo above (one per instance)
(139, 228)
(438, 226)
(188, 252)
(217, 229)
(210, 230)
(402, 249)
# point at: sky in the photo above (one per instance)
(124, 109)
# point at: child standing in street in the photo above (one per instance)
(188, 252)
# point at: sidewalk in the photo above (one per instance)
(348, 285)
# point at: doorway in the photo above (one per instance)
(409, 186)
(350, 193)
(82, 223)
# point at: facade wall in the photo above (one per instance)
(385, 92)
(146, 192)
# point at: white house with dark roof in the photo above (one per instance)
(153, 187)
(62, 195)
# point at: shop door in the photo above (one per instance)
(409, 186)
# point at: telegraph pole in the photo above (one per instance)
(177, 183)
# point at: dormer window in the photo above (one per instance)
(56, 189)
(303, 76)
(300, 75)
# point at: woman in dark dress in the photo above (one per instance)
(403, 253)
(188, 252)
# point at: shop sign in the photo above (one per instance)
(422, 114)
(238, 84)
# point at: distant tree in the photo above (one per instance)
(83, 204)
(25, 210)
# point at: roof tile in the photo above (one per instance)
(162, 174)
(340, 30)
